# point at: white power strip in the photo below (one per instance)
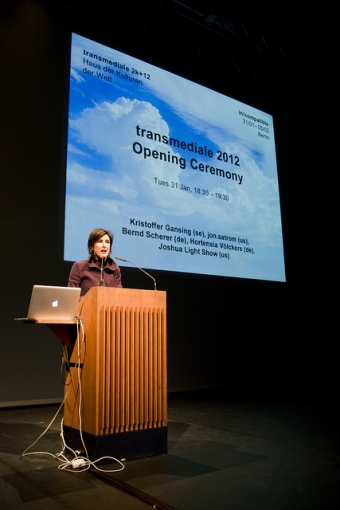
(77, 463)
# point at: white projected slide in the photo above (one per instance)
(185, 177)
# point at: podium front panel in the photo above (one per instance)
(117, 382)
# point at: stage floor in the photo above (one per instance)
(227, 449)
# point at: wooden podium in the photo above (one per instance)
(116, 387)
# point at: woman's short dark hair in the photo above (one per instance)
(95, 235)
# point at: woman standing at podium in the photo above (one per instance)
(99, 269)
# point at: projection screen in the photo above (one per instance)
(185, 177)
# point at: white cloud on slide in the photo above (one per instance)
(109, 129)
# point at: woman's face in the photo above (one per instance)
(102, 247)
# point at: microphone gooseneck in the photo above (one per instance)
(149, 275)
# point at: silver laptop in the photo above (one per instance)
(53, 303)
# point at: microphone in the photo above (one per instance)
(149, 275)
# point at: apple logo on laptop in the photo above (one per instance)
(55, 303)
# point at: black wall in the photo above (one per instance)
(220, 330)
